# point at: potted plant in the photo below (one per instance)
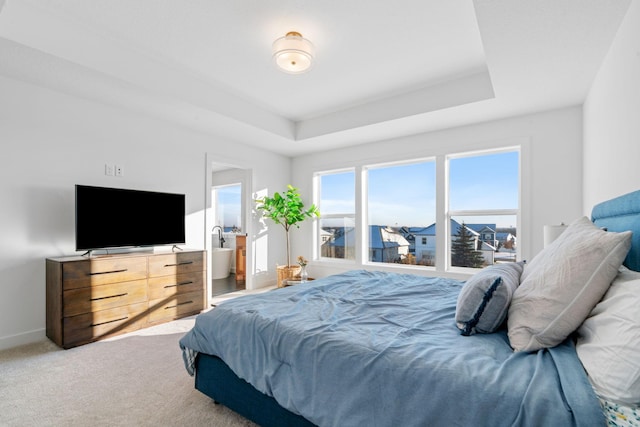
(286, 209)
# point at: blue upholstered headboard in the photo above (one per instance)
(622, 214)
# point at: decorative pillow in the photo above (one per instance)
(609, 341)
(484, 300)
(561, 285)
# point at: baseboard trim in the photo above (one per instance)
(22, 339)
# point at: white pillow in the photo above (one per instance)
(561, 285)
(609, 341)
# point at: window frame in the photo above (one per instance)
(449, 213)
(317, 192)
(443, 214)
(364, 253)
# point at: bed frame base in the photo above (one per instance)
(215, 379)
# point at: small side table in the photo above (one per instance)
(292, 282)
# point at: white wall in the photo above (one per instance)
(51, 141)
(552, 169)
(612, 118)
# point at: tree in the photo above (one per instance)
(286, 209)
(463, 252)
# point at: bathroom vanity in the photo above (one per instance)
(241, 258)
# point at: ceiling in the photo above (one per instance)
(383, 69)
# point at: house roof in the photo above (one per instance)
(347, 238)
(487, 247)
(382, 237)
(480, 228)
(431, 230)
(503, 236)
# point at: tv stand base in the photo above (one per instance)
(88, 299)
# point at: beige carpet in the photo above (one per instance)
(136, 379)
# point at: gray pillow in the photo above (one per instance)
(560, 286)
(484, 300)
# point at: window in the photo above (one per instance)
(483, 208)
(228, 202)
(337, 204)
(456, 210)
(401, 205)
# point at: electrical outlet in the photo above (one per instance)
(119, 170)
(108, 169)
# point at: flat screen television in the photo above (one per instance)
(116, 218)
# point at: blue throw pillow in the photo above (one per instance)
(483, 302)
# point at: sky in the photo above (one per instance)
(229, 205)
(404, 195)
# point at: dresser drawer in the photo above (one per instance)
(88, 299)
(96, 298)
(166, 286)
(176, 263)
(176, 306)
(88, 327)
(100, 271)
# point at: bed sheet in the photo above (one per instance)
(380, 349)
(620, 415)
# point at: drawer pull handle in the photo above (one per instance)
(179, 284)
(110, 296)
(178, 304)
(107, 272)
(109, 321)
(179, 263)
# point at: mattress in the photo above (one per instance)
(376, 348)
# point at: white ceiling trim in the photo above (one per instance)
(66, 39)
(536, 55)
(452, 93)
(145, 83)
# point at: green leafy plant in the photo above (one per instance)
(286, 209)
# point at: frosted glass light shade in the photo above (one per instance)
(293, 53)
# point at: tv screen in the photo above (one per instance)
(113, 217)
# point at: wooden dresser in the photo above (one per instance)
(92, 298)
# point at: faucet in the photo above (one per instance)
(220, 238)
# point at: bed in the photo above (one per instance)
(384, 349)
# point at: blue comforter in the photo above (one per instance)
(368, 348)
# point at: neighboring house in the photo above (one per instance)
(425, 241)
(408, 234)
(340, 244)
(386, 244)
(507, 245)
(423, 246)
(487, 243)
(488, 252)
(506, 240)
(325, 236)
(487, 233)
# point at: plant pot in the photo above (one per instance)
(286, 272)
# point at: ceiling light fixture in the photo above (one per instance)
(293, 53)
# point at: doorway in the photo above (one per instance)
(228, 198)
(227, 207)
